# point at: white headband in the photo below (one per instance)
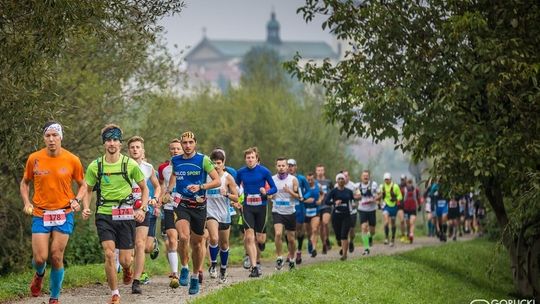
(55, 127)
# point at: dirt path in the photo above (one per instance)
(158, 290)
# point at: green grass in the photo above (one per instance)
(454, 273)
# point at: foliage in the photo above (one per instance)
(78, 64)
(453, 81)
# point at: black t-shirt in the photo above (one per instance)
(346, 197)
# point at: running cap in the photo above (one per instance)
(188, 134)
(403, 176)
(340, 176)
(291, 162)
(54, 126)
(112, 133)
(387, 175)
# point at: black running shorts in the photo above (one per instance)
(121, 232)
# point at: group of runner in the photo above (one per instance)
(196, 196)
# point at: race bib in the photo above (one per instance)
(232, 211)
(441, 203)
(311, 212)
(122, 213)
(136, 192)
(283, 203)
(214, 193)
(452, 204)
(176, 198)
(54, 218)
(253, 200)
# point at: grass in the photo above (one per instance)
(454, 273)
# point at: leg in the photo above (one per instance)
(249, 244)
(314, 223)
(110, 269)
(278, 233)
(141, 234)
(40, 251)
(213, 237)
(58, 245)
(182, 227)
(291, 246)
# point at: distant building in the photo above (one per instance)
(217, 62)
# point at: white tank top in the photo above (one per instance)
(147, 170)
(217, 205)
(283, 202)
(166, 173)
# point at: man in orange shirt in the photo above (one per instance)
(52, 170)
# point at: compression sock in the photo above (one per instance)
(57, 277)
(214, 250)
(394, 233)
(386, 231)
(365, 240)
(173, 261)
(40, 269)
(224, 257)
(300, 242)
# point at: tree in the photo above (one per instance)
(79, 64)
(453, 81)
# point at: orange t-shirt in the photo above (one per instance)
(53, 177)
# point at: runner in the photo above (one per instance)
(218, 219)
(354, 188)
(326, 185)
(52, 170)
(390, 195)
(441, 210)
(146, 229)
(284, 212)
(303, 189)
(169, 218)
(253, 178)
(342, 199)
(191, 170)
(401, 212)
(411, 203)
(112, 175)
(453, 217)
(367, 208)
(312, 202)
(479, 215)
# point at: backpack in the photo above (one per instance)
(369, 188)
(406, 197)
(97, 187)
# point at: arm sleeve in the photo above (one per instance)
(208, 165)
(270, 180)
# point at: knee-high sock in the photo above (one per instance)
(393, 232)
(40, 269)
(365, 240)
(386, 230)
(224, 257)
(57, 277)
(300, 242)
(214, 250)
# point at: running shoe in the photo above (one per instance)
(155, 251)
(403, 239)
(222, 275)
(292, 265)
(279, 263)
(454, 238)
(200, 277)
(53, 301)
(351, 247)
(343, 258)
(145, 278)
(299, 258)
(411, 239)
(127, 276)
(259, 269)
(392, 243)
(194, 286)
(212, 270)
(254, 273)
(35, 285)
(184, 276)
(341, 252)
(115, 299)
(314, 253)
(174, 283)
(386, 241)
(136, 287)
(246, 263)
(366, 252)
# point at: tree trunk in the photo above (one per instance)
(524, 251)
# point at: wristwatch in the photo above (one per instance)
(144, 208)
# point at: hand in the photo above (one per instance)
(157, 211)
(337, 202)
(223, 191)
(152, 202)
(166, 198)
(262, 190)
(139, 215)
(75, 206)
(194, 188)
(86, 213)
(28, 209)
(236, 205)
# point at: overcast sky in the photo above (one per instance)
(239, 19)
